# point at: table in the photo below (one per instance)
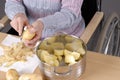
(98, 66)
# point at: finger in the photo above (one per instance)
(33, 41)
(29, 45)
(36, 38)
(31, 29)
(27, 23)
(29, 26)
(21, 25)
(14, 24)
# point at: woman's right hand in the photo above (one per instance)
(19, 22)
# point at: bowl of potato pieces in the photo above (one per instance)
(62, 57)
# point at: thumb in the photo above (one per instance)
(31, 29)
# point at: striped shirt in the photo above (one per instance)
(56, 15)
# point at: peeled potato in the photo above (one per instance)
(48, 58)
(69, 39)
(59, 58)
(51, 60)
(43, 54)
(45, 45)
(56, 62)
(70, 56)
(57, 45)
(27, 35)
(58, 52)
(75, 45)
(12, 74)
(51, 40)
(76, 55)
(69, 59)
(67, 52)
(30, 77)
(62, 50)
(81, 51)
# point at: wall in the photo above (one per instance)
(109, 6)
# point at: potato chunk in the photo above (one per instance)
(57, 45)
(72, 46)
(70, 59)
(69, 39)
(42, 54)
(76, 55)
(51, 60)
(31, 76)
(58, 52)
(12, 74)
(48, 58)
(81, 51)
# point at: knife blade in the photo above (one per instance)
(22, 32)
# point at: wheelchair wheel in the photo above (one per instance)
(109, 40)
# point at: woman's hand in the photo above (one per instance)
(37, 28)
(19, 21)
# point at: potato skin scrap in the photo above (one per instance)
(14, 53)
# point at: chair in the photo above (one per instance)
(3, 22)
(91, 27)
(109, 39)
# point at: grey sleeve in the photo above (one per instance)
(70, 11)
(59, 19)
(12, 7)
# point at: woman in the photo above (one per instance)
(45, 17)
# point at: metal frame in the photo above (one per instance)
(99, 3)
(109, 40)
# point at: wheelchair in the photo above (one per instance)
(109, 39)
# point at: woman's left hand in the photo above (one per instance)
(37, 28)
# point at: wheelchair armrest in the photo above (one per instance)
(91, 27)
